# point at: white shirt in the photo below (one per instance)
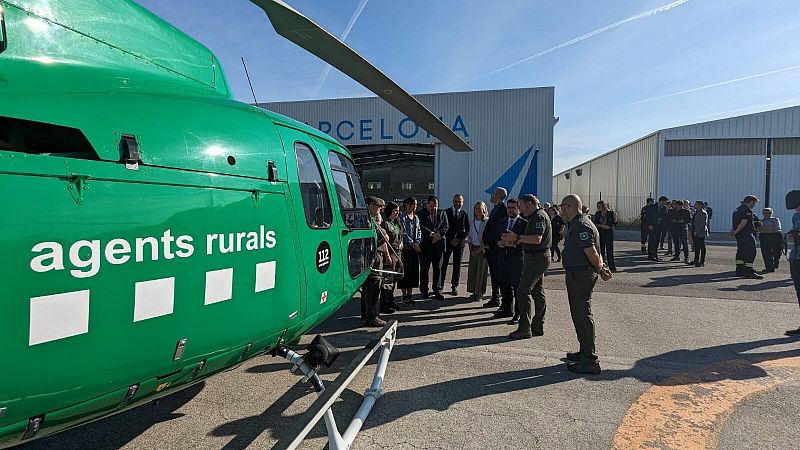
(511, 222)
(476, 231)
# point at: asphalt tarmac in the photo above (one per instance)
(691, 357)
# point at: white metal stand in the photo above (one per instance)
(322, 406)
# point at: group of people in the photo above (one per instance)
(676, 221)
(510, 248)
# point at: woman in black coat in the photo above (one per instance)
(605, 220)
(557, 225)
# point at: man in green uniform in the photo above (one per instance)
(583, 263)
(744, 229)
(535, 262)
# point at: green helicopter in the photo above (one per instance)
(155, 231)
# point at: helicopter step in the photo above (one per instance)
(322, 353)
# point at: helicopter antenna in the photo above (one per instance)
(250, 82)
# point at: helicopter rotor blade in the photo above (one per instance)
(299, 29)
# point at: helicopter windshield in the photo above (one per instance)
(348, 190)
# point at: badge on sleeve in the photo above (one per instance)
(540, 225)
(584, 236)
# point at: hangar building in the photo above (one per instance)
(718, 162)
(511, 131)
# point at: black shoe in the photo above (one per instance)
(395, 306)
(591, 368)
(687, 262)
(491, 304)
(514, 321)
(574, 356)
(537, 331)
(613, 269)
(454, 291)
(674, 259)
(753, 275)
(424, 295)
(388, 310)
(793, 332)
(503, 313)
(438, 296)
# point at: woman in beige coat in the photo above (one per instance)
(478, 265)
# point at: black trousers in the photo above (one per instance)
(510, 273)
(607, 248)
(699, 249)
(457, 253)
(427, 258)
(645, 234)
(794, 269)
(371, 297)
(771, 244)
(662, 234)
(653, 241)
(491, 260)
(554, 250)
(745, 250)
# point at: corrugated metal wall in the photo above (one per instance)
(624, 178)
(724, 179)
(777, 123)
(500, 125)
(721, 181)
(638, 176)
(603, 181)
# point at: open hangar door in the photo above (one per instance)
(396, 171)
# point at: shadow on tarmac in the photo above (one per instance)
(671, 368)
(116, 431)
(730, 361)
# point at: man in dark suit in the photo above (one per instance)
(457, 232)
(497, 214)
(434, 225)
(509, 261)
(653, 221)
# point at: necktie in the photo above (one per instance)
(511, 224)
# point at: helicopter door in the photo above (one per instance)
(320, 236)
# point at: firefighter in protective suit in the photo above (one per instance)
(744, 229)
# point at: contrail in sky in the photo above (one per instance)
(747, 109)
(721, 83)
(643, 15)
(361, 5)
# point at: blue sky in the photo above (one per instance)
(621, 69)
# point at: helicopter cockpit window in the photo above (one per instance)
(348, 190)
(312, 188)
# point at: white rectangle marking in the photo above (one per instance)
(154, 298)
(219, 285)
(265, 276)
(59, 316)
